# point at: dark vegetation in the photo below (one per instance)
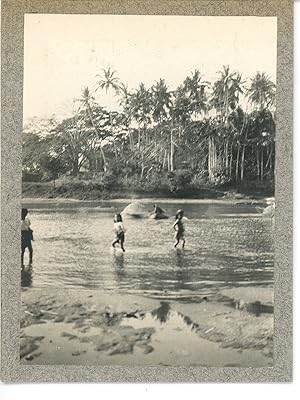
(196, 141)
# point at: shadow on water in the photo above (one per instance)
(118, 265)
(26, 276)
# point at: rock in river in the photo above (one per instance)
(139, 209)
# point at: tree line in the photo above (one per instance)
(220, 133)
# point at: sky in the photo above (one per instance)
(64, 53)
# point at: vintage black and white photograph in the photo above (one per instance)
(148, 190)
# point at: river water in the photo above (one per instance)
(226, 245)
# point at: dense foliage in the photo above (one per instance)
(161, 140)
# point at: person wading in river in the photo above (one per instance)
(119, 231)
(179, 228)
(26, 236)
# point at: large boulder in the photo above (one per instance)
(158, 213)
(139, 209)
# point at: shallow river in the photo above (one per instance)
(226, 245)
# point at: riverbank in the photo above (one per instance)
(89, 327)
(33, 202)
(90, 190)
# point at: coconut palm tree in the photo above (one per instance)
(161, 100)
(162, 104)
(181, 109)
(141, 102)
(226, 92)
(109, 81)
(261, 92)
(225, 99)
(87, 100)
(142, 108)
(196, 90)
(126, 104)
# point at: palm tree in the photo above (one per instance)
(109, 81)
(181, 109)
(226, 91)
(225, 99)
(141, 102)
(142, 107)
(195, 87)
(87, 100)
(162, 103)
(161, 99)
(261, 92)
(181, 112)
(126, 104)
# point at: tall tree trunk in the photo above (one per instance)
(75, 169)
(226, 158)
(237, 163)
(139, 139)
(172, 153)
(262, 164)
(257, 161)
(112, 134)
(98, 134)
(271, 162)
(164, 160)
(215, 157)
(130, 139)
(269, 158)
(230, 163)
(146, 135)
(242, 163)
(209, 158)
(212, 158)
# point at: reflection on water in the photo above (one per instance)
(119, 266)
(175, 340)
(26, 276)
(162, 313)
(224, 247)
(118, 262)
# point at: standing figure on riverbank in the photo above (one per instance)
(119, 231)
(26, 237)
(179, 228)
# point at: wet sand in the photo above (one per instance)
(96, 327)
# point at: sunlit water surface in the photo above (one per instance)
(226, 246)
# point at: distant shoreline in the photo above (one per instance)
(36, 201)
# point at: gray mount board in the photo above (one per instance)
(11, 158)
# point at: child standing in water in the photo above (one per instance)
(179, 228)
(119, 231)
(26, 236)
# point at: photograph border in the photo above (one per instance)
(12, 59)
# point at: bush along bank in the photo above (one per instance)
(178, 184)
